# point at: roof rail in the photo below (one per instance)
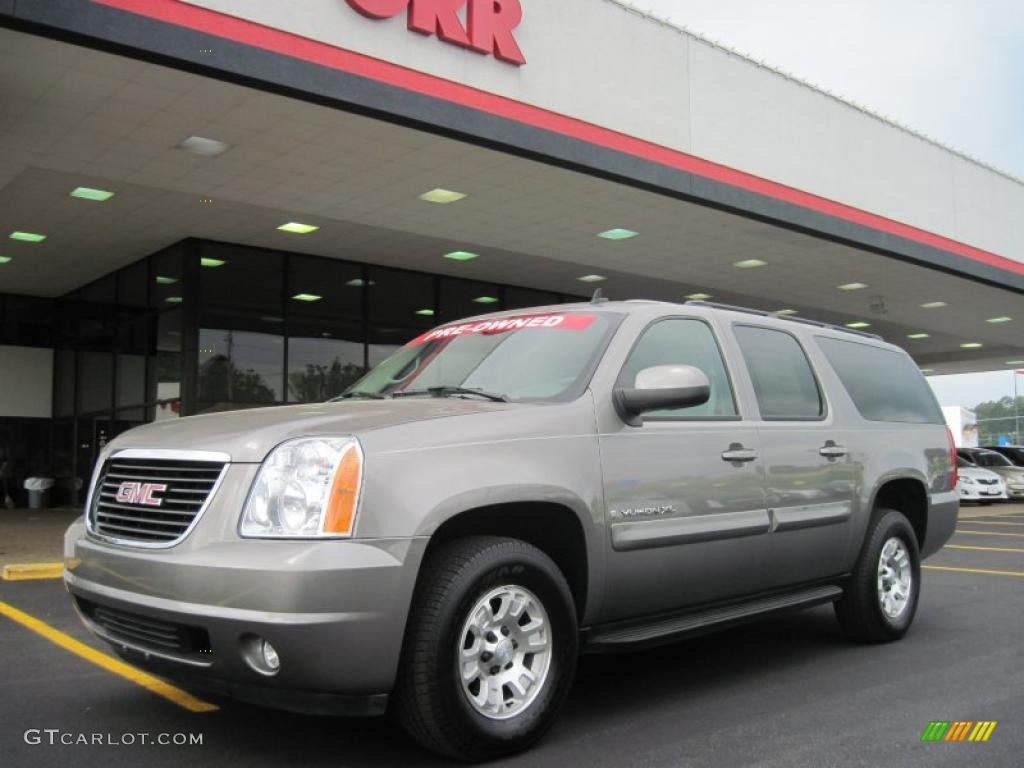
(790, 318)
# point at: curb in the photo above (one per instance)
(27, 571)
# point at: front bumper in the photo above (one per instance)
(1015, 490)
(977, 492)
(334, 610)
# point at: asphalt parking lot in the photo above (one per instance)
(788, 692)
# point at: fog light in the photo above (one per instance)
(270, 657)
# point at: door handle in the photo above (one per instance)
(832, 451)
(737, 453)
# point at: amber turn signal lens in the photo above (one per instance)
(341, 505)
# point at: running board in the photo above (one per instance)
(666, 629)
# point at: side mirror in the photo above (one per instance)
(663, 386)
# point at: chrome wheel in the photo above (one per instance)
(504, 652)
(895, 578)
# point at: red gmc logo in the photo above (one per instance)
(140, 493)
(489, 23)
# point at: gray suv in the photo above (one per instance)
(508, 491)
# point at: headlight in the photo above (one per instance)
(966, 480)
(306, 488)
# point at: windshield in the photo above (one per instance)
(991, 459)
(520, 357)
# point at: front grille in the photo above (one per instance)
(147, 633)
(151, 501)
(985, 481)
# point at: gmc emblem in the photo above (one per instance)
(140, 493)
(489, 23)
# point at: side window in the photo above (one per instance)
(783, 380)
(680, 341)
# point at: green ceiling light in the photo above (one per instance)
(857, 325)
(27, 237)
(618, 234)
(462, 255)
(786, 312)
(88, 193)
(161, 280)
(173, 299)
(971, 345)
(425, 312)
(486, 300)
(852, 286)
(934, 305)
(1015, 362)
(592, 278)
(997, 320)
(917, 336)
(750, 264)
(699, 296)
(359, 283)
(442, 196)
(5, 259)
(296, 228)
(310, 297)
(927, 370)
(209, 263)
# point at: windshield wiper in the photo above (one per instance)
(450, 391)
(367, 395)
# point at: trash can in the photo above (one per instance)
(39, 492)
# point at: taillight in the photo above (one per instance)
(955, 474)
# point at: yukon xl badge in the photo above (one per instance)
(631, 512)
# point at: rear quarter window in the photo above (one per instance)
(884, 385)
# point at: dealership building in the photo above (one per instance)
(214, 204)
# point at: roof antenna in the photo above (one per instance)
(598, 297)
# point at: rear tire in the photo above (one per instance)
(488, 615)
(880, 602)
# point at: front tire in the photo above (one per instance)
(880, 602)
(490, 649)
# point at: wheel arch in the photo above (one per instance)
(907, 494)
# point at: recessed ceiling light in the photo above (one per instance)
(971, 345)
(934, 305)
(618, 234)
(161, 280)
(5, 259)
(206, 261)
(442, 196)
(88, 193)
(857, 325)
(359, 283)
(1015, 362)
(699, 296)
(592, 278)
(786, 312)
(997, 320)
(852, 286)
(918, 336)
(927, 370)
(306, 297)
(199, 145)
(486, 300)
(295, 228)
(27, 237)
(173, 299)
(750, 264)
(425, 312)
(462, 255)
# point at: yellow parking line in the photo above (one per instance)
(972, 570)
(993, 522)
(109, 663)
(25, 571)
(984, 549)
(992, 533)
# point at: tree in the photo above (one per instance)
(322, 382)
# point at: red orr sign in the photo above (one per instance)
(489, 27)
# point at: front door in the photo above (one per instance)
(687, 520)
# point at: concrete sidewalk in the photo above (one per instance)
(34, 535)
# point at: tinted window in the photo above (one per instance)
(783, 380)
(683, 342)
(883, 384)
(991, 459)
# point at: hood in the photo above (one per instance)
(976, 473)
(249, 435)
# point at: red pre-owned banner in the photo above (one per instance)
(570, 322)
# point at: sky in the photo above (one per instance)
(950, 69)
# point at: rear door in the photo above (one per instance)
(686, 508)
(810, 483)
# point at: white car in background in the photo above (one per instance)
(980, 485)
